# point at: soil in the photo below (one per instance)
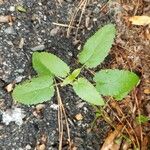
(44, 27)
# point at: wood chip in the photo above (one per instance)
(79, 117)
(9, 87)
(41, 147)
(39, 107)
(140, 20)
(147, 34)
(6, 19)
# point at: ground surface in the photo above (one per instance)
(44, 27)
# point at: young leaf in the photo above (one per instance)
(142, 119)
(21, 9)
(97, 47)
(36, 90)
(46, 61)
(71, 77)
(38, 66)
(85, 90)
(116, 83)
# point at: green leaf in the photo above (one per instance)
(71, 77)
(21, 8)
(85, 90)
(36, 90)
(116, 83)
(98, 46)
(142, 119)
(46, 63)
(40, 68)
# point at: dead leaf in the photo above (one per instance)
(140, 20)
(147, 91)
(110, 140)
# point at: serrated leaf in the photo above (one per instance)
(40, 68)
(98, 46)
(71, 77)
(36, 90)
(86, 91)
(116, 83)
(51, 63)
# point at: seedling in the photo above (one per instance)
(109, 82)
(142, 119)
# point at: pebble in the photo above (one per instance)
(54, 31)
(12, 8)
(28, 147)
(18, 79)
(10, 30)
(39, 47)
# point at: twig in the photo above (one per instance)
(60, 119)
(61, 113)
(83, 10)
(139, 113)
(62, 25)
(73, 17)
(124, 118)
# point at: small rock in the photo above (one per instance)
(54, 31)
(70, 54)
(96, 10)
(10, 30)
(39, 47)
(12, 8)
(21, 43)
(20, 70)
(54, 106)
(18, 79)
(14, 114)
(28, 147)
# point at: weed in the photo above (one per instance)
(109, 82)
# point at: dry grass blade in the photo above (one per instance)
(60, 119)
(74, 16)
(109, 141)
(139, 113)
(83, 10)
(127, 123)
(61, 114)
(62, 25)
